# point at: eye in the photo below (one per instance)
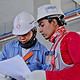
(41, 25)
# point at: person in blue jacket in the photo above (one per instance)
(26, 44)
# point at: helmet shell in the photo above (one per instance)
(48, 9)
(23, 23)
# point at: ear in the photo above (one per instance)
(54, 22)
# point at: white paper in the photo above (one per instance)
(14, 67)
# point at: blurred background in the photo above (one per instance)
(10, 8)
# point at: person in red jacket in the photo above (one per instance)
(66, 46)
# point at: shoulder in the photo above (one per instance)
(72, 36)
(40, 46)
(11, 43)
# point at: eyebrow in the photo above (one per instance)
(40, 23)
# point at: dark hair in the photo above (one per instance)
(60, 19)
(34, 30)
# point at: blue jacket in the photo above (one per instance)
(36, 62)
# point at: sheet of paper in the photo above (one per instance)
(14, 67)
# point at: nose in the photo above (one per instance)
(21, 37)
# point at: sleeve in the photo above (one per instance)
(45, 64)
(3, 55)
(72, 73)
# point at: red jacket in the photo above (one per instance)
(70, 52)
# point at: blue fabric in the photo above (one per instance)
(36, 62)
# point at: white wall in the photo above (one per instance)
(67, 5)
(38, 3)
(9, 9)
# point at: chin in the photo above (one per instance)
(23, 42)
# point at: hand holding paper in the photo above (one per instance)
(14, 67)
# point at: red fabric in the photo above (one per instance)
(59, 31)
(70, 47)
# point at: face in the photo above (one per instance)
(25, 38)
(46, 28)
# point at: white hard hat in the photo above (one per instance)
(23, 23)
(46, 10)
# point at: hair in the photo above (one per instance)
(60, 20)
(34, 30)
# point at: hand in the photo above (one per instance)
(4, 77)
(36, 75)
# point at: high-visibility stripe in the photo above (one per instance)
(54, 47)
(27, 56)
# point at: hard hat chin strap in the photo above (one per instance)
(61, 18)
(31, 42)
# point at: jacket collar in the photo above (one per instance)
(36, 47)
